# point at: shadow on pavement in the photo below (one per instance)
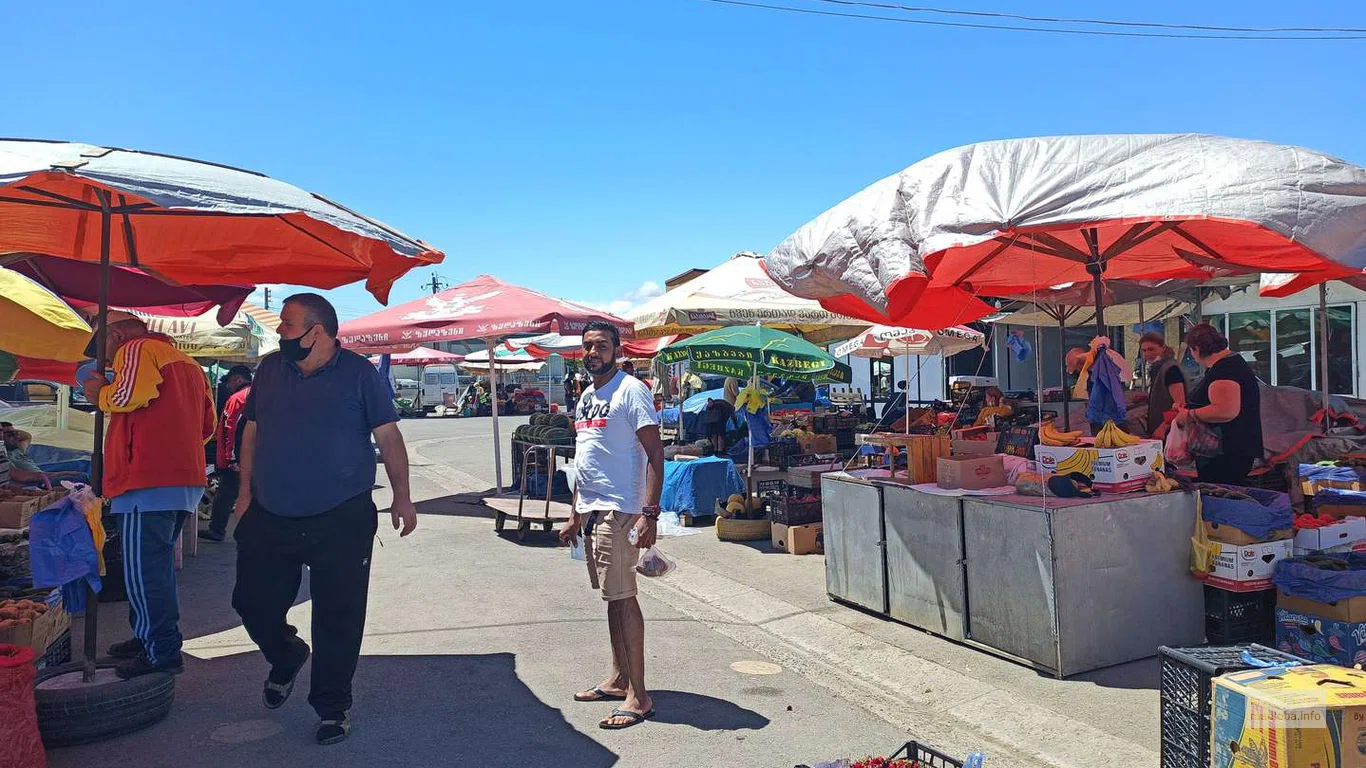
(410, 710)
(705, 713)
(462, 505)
(1142, 675)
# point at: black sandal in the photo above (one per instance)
(599, 694)
(636, 719)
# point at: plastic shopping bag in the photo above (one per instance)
(654, 564)
(1177, 451)
(1203, 551)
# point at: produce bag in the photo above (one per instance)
(655, 564)
(1177, 449)
(1203, 551)
(21, 746)
(1323, 578)
(1254, 511)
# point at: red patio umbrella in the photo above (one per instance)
(484, 308)
(421, 356)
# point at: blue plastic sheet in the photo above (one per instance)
(1299, 578)
(695, 486)
(1321, 472)
(62, 552)
(1270, 512)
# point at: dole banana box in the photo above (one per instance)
(1112, 470)
(1289, 717)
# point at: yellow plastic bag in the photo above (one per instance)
(1203, 551)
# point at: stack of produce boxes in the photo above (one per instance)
(797, 516)
(1253, 531)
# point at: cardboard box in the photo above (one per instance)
(42, 632)
(1248, 567)
(1331, 537)
(1351, 610)
(798, 539)
(1112, 470)
(1340, 510)
(819, 444)
(15, 513)
(808, 477)
(1228, 534)
(1314, 717)
(972, 473)
(1320, 638)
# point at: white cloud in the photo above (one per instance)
(629, 300)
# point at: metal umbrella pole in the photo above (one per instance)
(1062, 357)
(493, 404)
(1323, 350)
(92, 598)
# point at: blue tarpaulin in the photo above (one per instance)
(1106, 401)
(1298, 577)
(695, 486)
(1270, 512)
(62, 552)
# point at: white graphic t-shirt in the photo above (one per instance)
(609, 461)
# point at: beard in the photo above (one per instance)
(598, 367)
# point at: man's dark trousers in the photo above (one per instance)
(149, 578)
(229, 484)
(336, 547)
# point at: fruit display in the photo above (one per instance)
(1111, 436)
(736, 506)
(546, 429)
(15, 613)
(992, 411)
(1160, 483)
(1049, 435)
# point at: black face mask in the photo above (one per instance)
(293, 349)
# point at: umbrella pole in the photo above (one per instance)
(493, 404)
(749, 468)
(92, 599)
(1323, 350)
(1066, 390)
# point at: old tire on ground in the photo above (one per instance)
(108, 707)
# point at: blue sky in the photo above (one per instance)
(591, 148)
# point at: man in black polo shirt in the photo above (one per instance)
(307, 468)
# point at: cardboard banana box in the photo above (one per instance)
(1112, 470)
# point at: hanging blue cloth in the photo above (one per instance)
(1106, 401)
(760, 429)
(62, 553)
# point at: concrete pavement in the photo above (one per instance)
(475, 642)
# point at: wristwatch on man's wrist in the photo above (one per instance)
(651, 513)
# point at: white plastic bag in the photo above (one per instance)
(655, 564)
(1176, 450)
(670, 525)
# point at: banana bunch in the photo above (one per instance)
(1111, 436)
(1082, 461)
(1049, 435)
(1160, 483)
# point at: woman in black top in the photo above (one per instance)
(1228, 399)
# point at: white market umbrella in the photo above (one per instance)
(885, 341)
(738, 292)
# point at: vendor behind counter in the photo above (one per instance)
(1229, 401)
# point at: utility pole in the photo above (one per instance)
(437, 284)
(267, 303)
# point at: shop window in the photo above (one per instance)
(1294, 344)
(1341, 349)
(1249, 335)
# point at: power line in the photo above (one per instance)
(1017, 28)
(1106, 22)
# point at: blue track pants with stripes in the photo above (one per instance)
(149, 576)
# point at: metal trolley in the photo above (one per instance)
(537, 460)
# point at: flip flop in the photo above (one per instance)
(599, 694)
(636, 719)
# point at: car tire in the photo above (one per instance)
(78, 713)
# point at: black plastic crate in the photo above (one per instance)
(1240, 617)
(786, 510)
(928, 758)
(1187, 674)
(59, 652)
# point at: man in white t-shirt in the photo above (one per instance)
(615, 500)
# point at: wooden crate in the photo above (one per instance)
(922, 454)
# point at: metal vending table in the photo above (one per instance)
(855, 566)
(926, 576)
(1072, 585)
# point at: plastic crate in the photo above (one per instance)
(1240, 617)
(786, 510)
(59, 652)
(1186, 682)
(926, 757)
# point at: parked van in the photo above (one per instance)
(440, 380)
